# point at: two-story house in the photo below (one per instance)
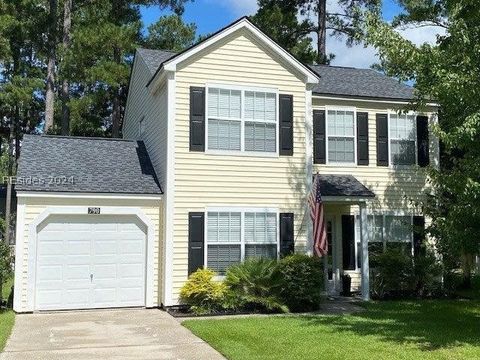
(222, 144)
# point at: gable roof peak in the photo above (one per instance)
(242, 23)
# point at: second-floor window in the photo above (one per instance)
(341, 136)
(242, 120)
(402, 139)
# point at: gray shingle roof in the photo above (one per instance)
(334, 80)
(96, 165)
(343, 185)
(154, 58)
(344, 81)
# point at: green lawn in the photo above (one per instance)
(7, 318)
(388, 330)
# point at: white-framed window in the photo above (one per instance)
(341, 136)
(386, 231)
(241, 119)
(403, 139)
(234, 235)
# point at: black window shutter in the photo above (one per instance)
(382, 140)
(197, 118)
(362, 138)
(422, 141)
(348, 242)
(196, 243)
(418, 235)
(287, 244)
(319, 141)
(286, 124)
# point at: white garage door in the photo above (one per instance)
(86, 262)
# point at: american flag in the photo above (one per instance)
(320, 245)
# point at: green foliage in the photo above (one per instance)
(281, 20)
(302, 282)
(398, 275)
(255, 284)
(170, 33)
(447, 72)
(202, 293)
(6, 261)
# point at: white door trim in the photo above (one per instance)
(83, 210)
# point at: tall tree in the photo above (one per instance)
(51, 64)
(170, 33)
(21, 71)
(65, 96)
(280, 20)
(302, 19)
(447, 72)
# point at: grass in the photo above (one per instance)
(7, 320)
(435, 329)
(7, 317)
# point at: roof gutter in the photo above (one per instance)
(367, 99)
(87, 195)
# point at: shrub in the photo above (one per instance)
(426, 274)
(6, 261)
(398, 275)
(302, 282)
(202, 293)
(254, 285)
(392, 274)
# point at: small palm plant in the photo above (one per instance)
(254, 285)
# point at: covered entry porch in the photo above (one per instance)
(345, 207)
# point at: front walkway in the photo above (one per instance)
(111, 334)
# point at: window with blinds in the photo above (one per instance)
(402, 139)
(341, 136)
(235, 236)
(232, 113)
(386, 232)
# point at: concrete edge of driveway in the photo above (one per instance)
(147, 334)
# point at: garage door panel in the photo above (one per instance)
(80, 272)
(50, 273)
(105, 247)
(112, 249)
(105, 272)
(129, 295)
(105, 296)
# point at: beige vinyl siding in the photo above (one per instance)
(203, 180)
(395, 187)
(33, 207)
(153, 109)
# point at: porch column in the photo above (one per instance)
(364, 242)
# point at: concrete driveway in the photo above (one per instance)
(112, 334)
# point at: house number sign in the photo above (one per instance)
(94, 210)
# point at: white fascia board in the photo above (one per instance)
(345, 199)
(77, 195)
(310, 76)
(353, 98)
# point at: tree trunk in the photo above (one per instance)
(67, 26)
(50, 90)
(116, 111)
(322, 32)
(467, 267)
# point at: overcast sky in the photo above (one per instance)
(211, 15)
